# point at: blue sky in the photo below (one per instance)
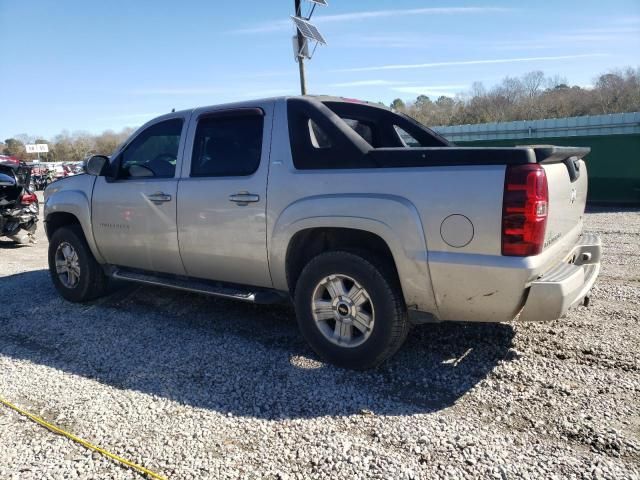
(96, 65)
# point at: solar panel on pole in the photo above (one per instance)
(305, 32)
(308, 30)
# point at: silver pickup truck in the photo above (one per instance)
(366, 220)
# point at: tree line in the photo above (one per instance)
(66, 147)
(532, 96)
(529, 97)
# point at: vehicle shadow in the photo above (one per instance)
(236, 358)
(10, 244)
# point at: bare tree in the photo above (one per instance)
(532, 96)
(532, 83)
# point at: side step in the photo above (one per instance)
(217, 289)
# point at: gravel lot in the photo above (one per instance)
(194, 387)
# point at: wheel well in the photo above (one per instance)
(59, 219)
(311, 242)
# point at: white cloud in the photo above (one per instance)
(432, 90)
(403, 40)
(411, 66)
(279, 25)
(131, 116)
(238, 91)
(628, 20)
(366, 83)
(178, 91)
(573, 38)
(349, 17)
(270, 92)
(275, 26)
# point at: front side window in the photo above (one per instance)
(154, 152)
(227, 146)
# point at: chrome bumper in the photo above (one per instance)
(567, 284)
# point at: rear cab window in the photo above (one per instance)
(364, 129)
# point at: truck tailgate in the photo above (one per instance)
(566, 174)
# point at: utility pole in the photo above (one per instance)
(305, 32)
(301, 40)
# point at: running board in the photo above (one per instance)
(216, 289)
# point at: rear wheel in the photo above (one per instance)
(350, 310)
(74, 271)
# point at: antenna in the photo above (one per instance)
(305, 32)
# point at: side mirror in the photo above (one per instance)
(96, 165)
(6, 181)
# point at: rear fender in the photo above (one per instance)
(392, 218)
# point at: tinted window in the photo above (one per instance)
(408, 139)
(227, 146)
(317, 142)
(319, 139)
(154, 152)
(361, 128)
(383, 124)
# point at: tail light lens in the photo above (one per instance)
(28, 198)
(525, 207)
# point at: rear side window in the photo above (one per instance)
(407, 139)
(319, 139)
(227, 146)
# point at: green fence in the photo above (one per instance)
(614, 161)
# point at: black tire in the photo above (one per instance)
(391, 323)
(92, 282)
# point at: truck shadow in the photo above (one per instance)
(10, 244)
(236, 358)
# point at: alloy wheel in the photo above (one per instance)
(343, 310)
(67, 265)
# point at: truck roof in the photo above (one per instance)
(321, 98)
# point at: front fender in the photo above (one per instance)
(392, 218)
(73, 195)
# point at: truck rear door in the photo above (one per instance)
(222, 195)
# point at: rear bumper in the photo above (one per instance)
(565, 285)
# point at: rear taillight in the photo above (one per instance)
(28, 198)
(525, 205)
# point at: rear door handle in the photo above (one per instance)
(244, 198)
(159, 197)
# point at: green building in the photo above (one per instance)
(614, 161)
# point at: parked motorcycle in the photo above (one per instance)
(19, 206)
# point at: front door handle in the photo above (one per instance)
(159, 197)
(244, 198)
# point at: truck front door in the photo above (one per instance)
(134, 214)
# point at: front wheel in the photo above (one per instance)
(350, 310)
(74, 271)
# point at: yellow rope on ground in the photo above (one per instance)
(82, 442)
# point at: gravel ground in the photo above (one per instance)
(194, 387)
